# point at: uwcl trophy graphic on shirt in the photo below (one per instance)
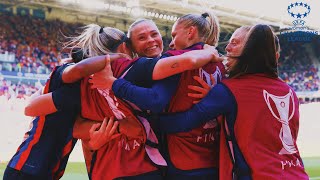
(282, 104)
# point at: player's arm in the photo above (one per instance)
(36, 94)
(158, 96)
(87, 67)
(40, 105)
(155, 98)
(195, 59)
(218, 101)
(64, 98)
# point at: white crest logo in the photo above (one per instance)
(206, 76)
(282, 104)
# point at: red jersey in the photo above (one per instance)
(126, 155)
(198, 148)
(266, 128)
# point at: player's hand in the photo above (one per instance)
(231, 62)
(202, 90)
(103, 79)
(101, 135)
(213, 52)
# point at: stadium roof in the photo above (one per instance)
(164, 12)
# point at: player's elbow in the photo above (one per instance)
(28, 111)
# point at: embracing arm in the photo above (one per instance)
(87, 67)
(40, 105)
(195, 59)
(63, 98)
(218, 101)
(155, 98)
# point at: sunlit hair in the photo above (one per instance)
(95, 40)
(207, 25)
(259, 53)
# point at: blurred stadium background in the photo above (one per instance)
(30, 46)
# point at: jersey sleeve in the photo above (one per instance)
(154, 99)
(60, 70)
(67, 97)
(142, 70)
(218, 101)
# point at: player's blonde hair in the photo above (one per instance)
(207, 25)
(95, 40)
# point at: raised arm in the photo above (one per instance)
(195, 59)
(87, 67)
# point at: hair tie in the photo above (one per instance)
(101, 30)
(205, 15)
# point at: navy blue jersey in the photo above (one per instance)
(48, 143)
(141, 71)
(139, 88)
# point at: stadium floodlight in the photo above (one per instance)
(106, 6)
(164, 17)
(133, 3)
(136, 12)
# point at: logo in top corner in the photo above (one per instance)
(299, 11)
(299, 31)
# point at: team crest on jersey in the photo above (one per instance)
(217, 75)
(285, 107)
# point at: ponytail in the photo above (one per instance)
(207, 25)
(95, 40)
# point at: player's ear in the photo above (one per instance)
(192, 32)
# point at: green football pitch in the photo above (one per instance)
(77, 170)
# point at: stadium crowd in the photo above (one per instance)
(297, 69)
(18, 90)
(33, 41)
(35, 45)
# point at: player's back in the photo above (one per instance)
(48, 143)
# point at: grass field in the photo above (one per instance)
(77, 170)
